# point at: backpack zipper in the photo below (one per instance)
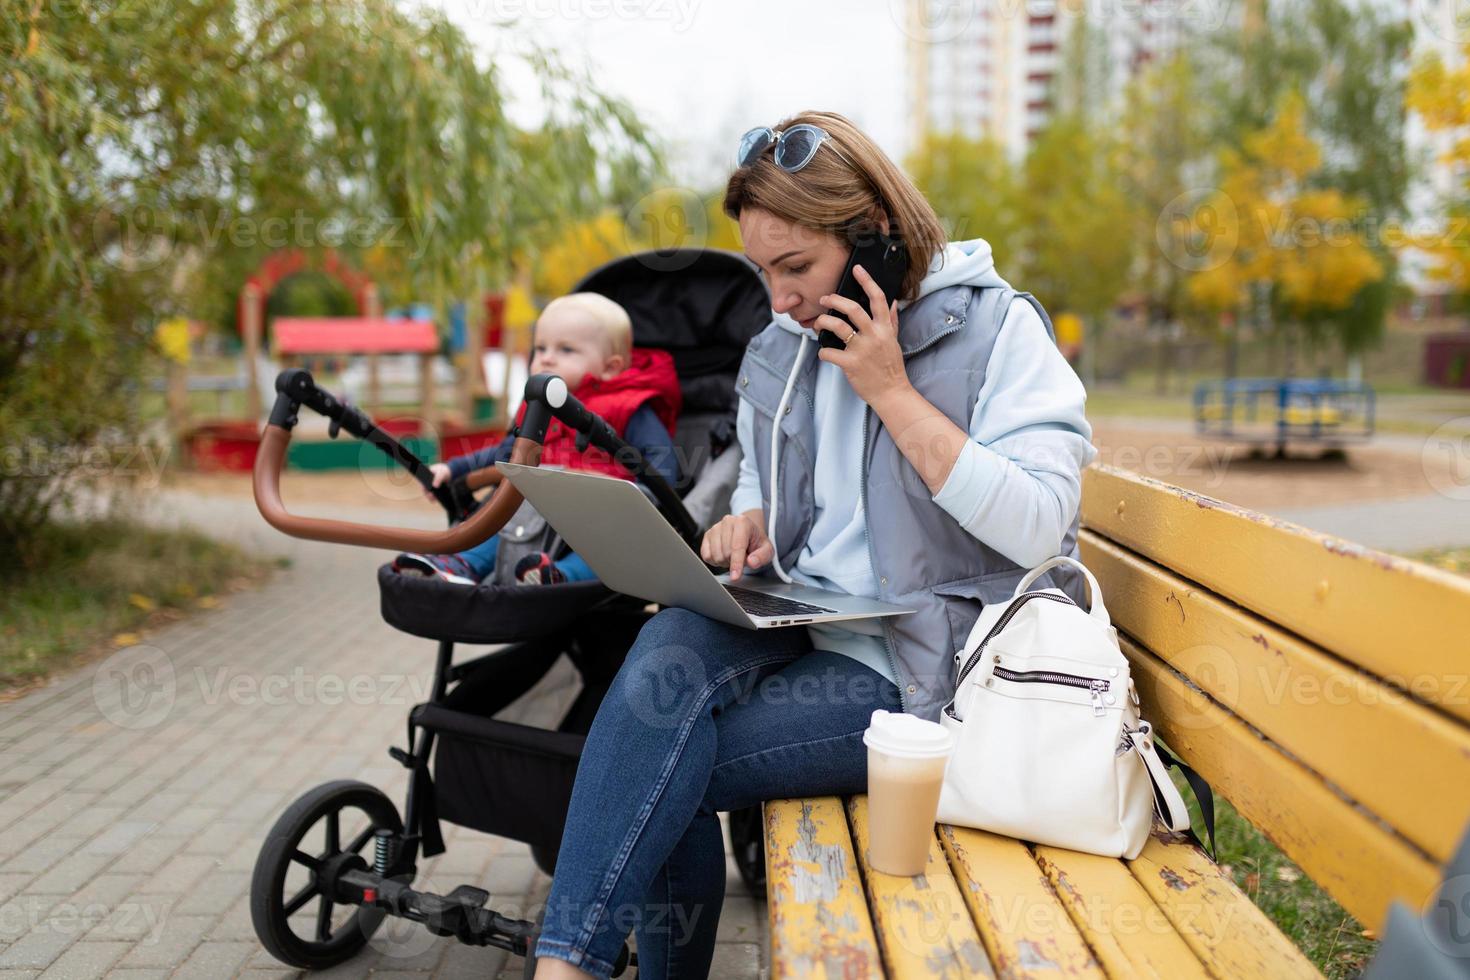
(1000, 624)
(1095, 685)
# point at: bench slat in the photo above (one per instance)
(1025, 929)
(1130, 935)
(1393, 617)
(1372, 741)
(923, 924)
(1226, 930)
(820, 925)
(1344, 850)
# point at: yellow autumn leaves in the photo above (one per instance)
(1269, 225)
(1441, 96)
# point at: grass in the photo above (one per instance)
(1327, 934)
(103, 581)
(1110, 402)
(1331, 938)
(1455, 560)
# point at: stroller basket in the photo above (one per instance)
(500, 777)
(484, 613)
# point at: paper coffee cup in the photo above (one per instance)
(906, 760)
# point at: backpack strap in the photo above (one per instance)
(1157, 761)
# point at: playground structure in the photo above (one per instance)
(296, 337)
(1281, 411)
(479, 412)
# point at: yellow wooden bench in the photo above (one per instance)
(1322, 688)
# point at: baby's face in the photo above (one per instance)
(571, 344)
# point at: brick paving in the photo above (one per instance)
(135, 792)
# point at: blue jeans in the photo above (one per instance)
(481, 558)
(702, 717)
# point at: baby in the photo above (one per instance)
(587, 339)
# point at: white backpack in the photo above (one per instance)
(1049, 745)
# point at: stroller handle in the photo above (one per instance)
(295, 388)
(486, 521)
(546, 398)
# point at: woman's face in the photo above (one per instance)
(799, 264)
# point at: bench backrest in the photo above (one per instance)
(1323, 688)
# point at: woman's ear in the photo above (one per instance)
(878, 218)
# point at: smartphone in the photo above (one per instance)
(887, 261)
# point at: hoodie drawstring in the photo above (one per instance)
(776, 458)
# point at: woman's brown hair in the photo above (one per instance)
(842, 193)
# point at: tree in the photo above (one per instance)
(1292, 240)
(663, 220)
(1072, 206)
(580, 249)
(1437, 94)
(1071, 202)
(1347, 60)
(1166, 146)
(972, 186)
(1053, 221)
(156, 149)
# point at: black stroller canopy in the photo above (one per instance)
(700, 305)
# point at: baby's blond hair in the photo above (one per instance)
(617, 328)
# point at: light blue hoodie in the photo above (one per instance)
(1015, 486)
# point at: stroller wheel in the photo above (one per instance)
(288, 895)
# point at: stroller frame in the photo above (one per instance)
(379, 883)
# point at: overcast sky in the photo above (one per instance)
(701, 72)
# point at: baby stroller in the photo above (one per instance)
(467, 765)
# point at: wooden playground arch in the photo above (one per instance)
(230, 443)
(275, 268)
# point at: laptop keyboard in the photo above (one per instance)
(762, 604)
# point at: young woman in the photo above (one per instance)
(929, 463)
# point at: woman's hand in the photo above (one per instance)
(872, 361)
(738, 542)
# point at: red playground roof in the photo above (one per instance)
(352, 335)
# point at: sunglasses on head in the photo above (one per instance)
(794, 148)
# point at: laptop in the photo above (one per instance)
(618, 531)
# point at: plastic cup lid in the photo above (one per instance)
(899, 733)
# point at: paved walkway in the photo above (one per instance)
(1398, 493)
(1406, 525)
(134, 793)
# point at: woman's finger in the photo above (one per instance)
(760, 555)
(719, 543)
(854, 310)
(836, 355)
(739, 538)
(876, 299)
(836, 324)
